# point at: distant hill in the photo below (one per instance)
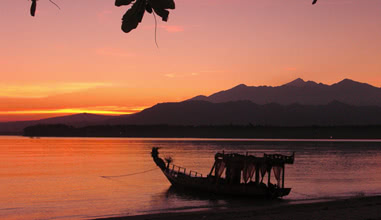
(298, 103)
(247, 112)
(299, 91)
(229, 113)
(77, 120)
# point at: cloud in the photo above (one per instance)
(172, 28)
(170, 75)
(39, 90)
(167, 28)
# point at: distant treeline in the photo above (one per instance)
(228, 131)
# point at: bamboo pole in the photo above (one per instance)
(211, 171)
(257, 173)
(283, 176)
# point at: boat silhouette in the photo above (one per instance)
(243, 175)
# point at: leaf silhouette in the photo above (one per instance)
(162, 13)
(148, 8)
(164, 4)
(33, 8)
(123, 2)
(160, 6)
(133, 16)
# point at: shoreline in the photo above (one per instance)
(356, 208)
(207, 131)
(334, 140)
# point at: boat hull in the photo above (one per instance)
(205, 184)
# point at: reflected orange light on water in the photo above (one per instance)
(88, 178)
(39, 171)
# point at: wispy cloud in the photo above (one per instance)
(172, 28)
(192, 74)
(39, 90)
(170, 75)
(173, 75)
(167, 28)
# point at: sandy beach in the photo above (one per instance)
(364, 208)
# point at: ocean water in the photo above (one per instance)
(82, 178)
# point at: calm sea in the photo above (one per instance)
(81, 178)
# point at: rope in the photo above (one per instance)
(155, 29)
(130, 174)
(55, 4)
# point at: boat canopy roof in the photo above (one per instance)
(268, 159)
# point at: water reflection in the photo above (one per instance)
(206, 200)
(62, 177)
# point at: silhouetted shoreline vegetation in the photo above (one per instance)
(227, 131)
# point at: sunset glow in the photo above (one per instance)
(77, 59)
(44, 89)
(68, 111)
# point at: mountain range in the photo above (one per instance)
(298, 103)
(77, 120)
(302, 92)
(247, 112)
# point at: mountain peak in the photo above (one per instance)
(351, 83)
(240, 86)
(198, 98)
(299, 82)
(347, 81)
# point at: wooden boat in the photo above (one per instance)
(231, 174)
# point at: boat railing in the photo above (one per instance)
(195, 173)
(174, 169)
(280, 158)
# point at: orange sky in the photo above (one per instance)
(77, 59)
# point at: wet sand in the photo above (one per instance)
(364, 208)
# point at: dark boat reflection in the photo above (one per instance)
(217, 201)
